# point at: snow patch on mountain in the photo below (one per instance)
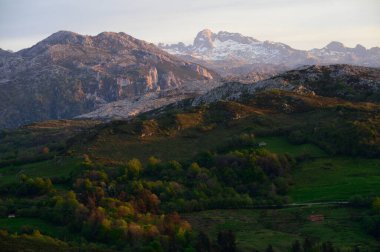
(224, 50)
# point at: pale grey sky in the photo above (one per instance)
(302, 24)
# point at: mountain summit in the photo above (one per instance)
(204, 39)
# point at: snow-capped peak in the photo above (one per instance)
(242, 50)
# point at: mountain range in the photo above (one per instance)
(113, 75)
(68, 74)
(233, 53)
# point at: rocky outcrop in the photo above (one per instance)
(127, 108)
(353, 83)
(68, 74)
(152, 80)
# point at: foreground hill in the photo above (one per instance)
(275, 160)
(68, 74)
(353, 83)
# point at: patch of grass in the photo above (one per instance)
(45, 169)
(13, 243)
(182, 146)
(338, 178)
(14, 225)
(281, 145)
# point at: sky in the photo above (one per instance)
(302, 24)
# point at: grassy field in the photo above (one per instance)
(338, 178)
(14, 225)
(181, 147)
(45, 169)
(185, 144)
(282, 145)
(255, 229)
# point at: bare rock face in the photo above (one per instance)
(152, 80)
(202, 71)
(126, 108)
(68, 74)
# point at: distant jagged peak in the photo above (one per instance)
(335, 46)
(206, 32)
(228, 51)
(204, 39)
(238, 37)
(360, 49)
(359, 46)
(340, 47)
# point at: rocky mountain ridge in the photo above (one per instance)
(225, 52)
(68, 74)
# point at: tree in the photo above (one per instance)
(376, 204)
(134, 167)
(153, 161)
(193, 170)
(153, 165)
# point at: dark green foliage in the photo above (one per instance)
(308, 244)
(296, 246)
(297, 137)
(203, 243)
(227, 241)
(269, 249)
(29, 186)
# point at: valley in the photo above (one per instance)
(215, 164)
